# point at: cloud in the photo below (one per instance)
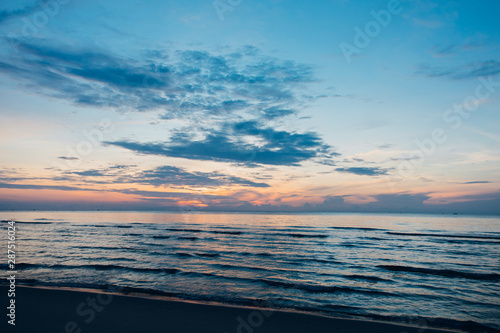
(277, 112)
(405, 158)
(381, 203)
(172, 197)
(42, 187)
(176, 195)
(167, 176)
(183, 198)
(472, 197)
(67, 158)
(364, 171)
(389, 203)
(183, 83)
(90, 173)
(445, 51)
(122, 166)
(478, 182)
(197, 86)
(6, 14)
(246, 142)
(487, 203)
(465, 72)
(13, 175)
(452, 50)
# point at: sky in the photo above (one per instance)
(239, 105)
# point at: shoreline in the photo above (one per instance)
(75, 310)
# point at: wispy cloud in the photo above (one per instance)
(8, 14)
(451, 50)
(478, 182)
(467, 71)
(364, 171)
(67, 158)
(42, 187)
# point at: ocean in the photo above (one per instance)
(428, 270)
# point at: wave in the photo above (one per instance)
(247, 268)
(320, 288)
(271, 269)
(358, 228)
(316, 260)
(299, 235)
(122, 259)
(350, 245)
(367, 278)
(120, 226)
(97, 248)
(161, 237)
(443, 272)
(225, 232)
(467, 253)
(375, 238)
(154, 292)
(206, 231)
(469, 241)
(441, 235)
(433, 322)
(259, 254)
(188, 238)
(126, 290)
(101, 287)
(183, 230)
(96, 267)
(208, 255)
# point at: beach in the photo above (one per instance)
(61, 310)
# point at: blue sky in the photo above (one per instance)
(250, 105)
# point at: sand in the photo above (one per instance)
(75, 311)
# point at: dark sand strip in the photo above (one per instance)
(71, 311)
